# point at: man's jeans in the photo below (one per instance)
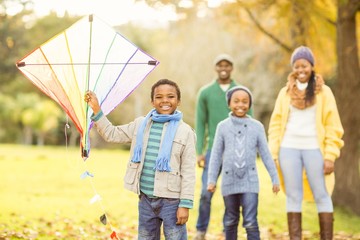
(205, 198)
(155, 211)
(249, 204)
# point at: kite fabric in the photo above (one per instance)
(89, 55)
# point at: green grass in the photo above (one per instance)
(42, 195)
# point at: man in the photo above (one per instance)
(210, 110)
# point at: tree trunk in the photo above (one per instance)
(40, 140)
(347, 168)
(27, 135)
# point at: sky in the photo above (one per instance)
(114, 12)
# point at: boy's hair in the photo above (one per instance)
(165, 82)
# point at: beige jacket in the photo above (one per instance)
(180, 182)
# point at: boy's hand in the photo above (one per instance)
(91, 99)
(211, 188)
(182, 215)
(276, 189)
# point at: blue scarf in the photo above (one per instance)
(163, 159)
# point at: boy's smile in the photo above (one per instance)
(165, 99)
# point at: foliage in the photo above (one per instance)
(43, 197)
(186, 49)
(259, 34)
(32, 114)
(12, 39)
(330, 28)
(26, 111)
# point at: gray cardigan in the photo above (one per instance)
(237, 141)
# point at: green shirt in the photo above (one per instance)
(148, 172)
(151, 153)
(210, 110)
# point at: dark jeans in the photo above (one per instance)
(205, 198)
(155, 211)
(249, 204)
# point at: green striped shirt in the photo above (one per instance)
(148, 172)
(152, 150)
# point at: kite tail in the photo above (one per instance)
(137, 155)
(162, 164)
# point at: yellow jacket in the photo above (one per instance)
(329, 131)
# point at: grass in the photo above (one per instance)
(42, 196)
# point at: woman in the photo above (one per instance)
(305, 134)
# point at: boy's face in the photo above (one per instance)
(165, 99)
(239, 103)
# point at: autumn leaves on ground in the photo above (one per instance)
(44, 197)
(62, 228)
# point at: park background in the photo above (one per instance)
(41, 192)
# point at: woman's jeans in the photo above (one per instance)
(155, 211)
(292, 162)
(249, 204)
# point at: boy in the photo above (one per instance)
(161, 169)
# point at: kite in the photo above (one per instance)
(89, 55)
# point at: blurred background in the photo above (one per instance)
(186, 36)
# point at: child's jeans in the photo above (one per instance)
(292, 162)
(249, 204)
(155, 211)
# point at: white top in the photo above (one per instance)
(224, 87)
(301, 86)
(300, 132)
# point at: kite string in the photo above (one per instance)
(92, 184)
(99, 199)
(66, 127)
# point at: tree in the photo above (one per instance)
(347, 186)
(40, 120)
(17, 33)
(12, 38)
(347, 84)
(330, 30)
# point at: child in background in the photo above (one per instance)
(161, 168)
(211, 108)
(237, 140)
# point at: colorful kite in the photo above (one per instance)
(89, 55)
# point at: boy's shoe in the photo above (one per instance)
(200, 235)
